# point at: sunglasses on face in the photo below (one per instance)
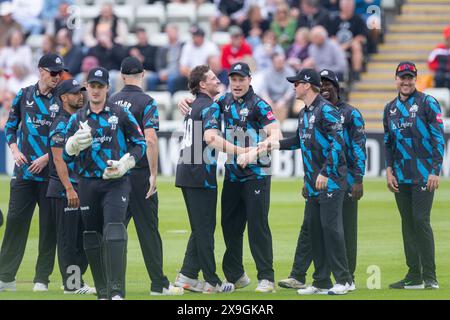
(409, 67)
(297, 83)
(53, 73)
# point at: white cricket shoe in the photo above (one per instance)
(83, 290)
(291, 283)
(265, 286)
(242, 282)
(117, 297)
(312, 290)
(40, 287)
(339, 289)
(225, 287)
(189, 284)
(170, 291)
(8, 286)
(352, 287)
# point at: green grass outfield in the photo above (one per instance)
(380, 244)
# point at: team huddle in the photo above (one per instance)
(91, 166)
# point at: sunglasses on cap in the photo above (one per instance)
(406, 66)
(53, 73)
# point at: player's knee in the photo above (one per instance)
(115, 232)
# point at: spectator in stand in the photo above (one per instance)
(14, 51)
(7, 22)
(88, 63)
(21, 77)
(71, 54)
(52, 9)
(255, 25)
(350, 31)
(312, 14)
(275, 90)
(229, 12)
(143, 51)
(264, 52)
(284, 26)
(197, 51)
(107, 20)
(6, 102)
(108, 53)
(215, 65)
(27, 13)
(236, 50)
(298, 51)
(439, 61)
(325, 53)
(332, 5)
(64, 20)
(372, 17)
(167, 63)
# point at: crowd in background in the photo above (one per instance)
(276, 37)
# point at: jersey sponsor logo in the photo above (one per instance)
(329, 195)
(67, 209)
(439, 118)
(102, 139)
(85, 208)
(257, 192)
(30, 103)
(312, 119)
(227, 108)
(270, 115)
(305, 136)
(39, 122)
(424, 188)
(394, 111)
(124, 199)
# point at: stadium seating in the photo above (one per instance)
(151, 17)
(181, 14)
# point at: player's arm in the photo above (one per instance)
(150, 121)
(335, 138)
(212, 134)
(135, 136)
(11, 127)
(436, 127)
(388, 152)
(358, 148)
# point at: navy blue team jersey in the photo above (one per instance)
(414, 138)
(321, 139)
(355, 142)
(111, 129)
(245, 119)
(142, 106)
(57, 139)
(197, 165)
(28, 125)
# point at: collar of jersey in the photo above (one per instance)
(39, 94)
(414, 94)
(106, 108)
(130, 87)
(312, 106)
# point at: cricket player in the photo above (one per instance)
(106, 142)
(414, 148)
(320, 137)
(143, 206)
(27, 129)
(62, 191)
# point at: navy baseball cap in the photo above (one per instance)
(99, 74)
(240, 68)
(69, 86)
(131, 65)
(330, 76)
(196, 30)
(307, 76)
(406, 67)
(52, 62)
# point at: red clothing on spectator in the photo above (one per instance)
(439, 58)
(231, 55)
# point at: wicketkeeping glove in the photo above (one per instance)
(81, 140)
(117, 169)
